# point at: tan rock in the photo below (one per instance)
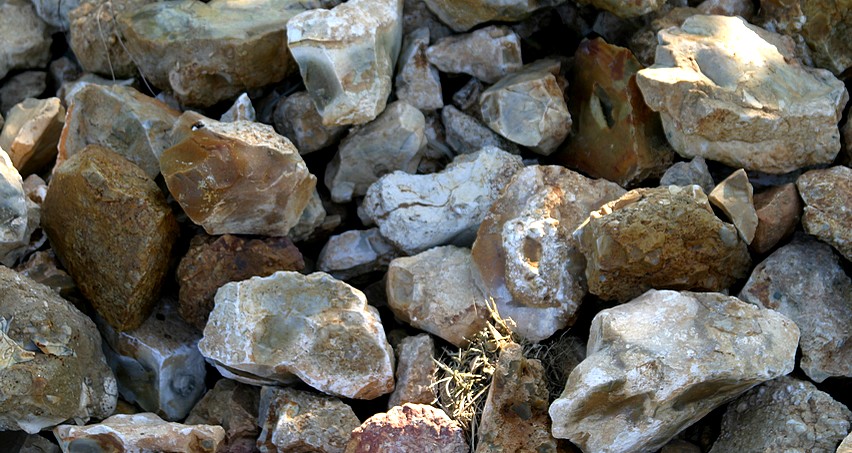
(487, 54)
(462, 15)
(355, 253)
(416, 371)
(410, 428)
(140, 432)
(465, 134)
(688, 173)
(234, 407)
(417, 82)
(25, 37)
(779, 209)
(296, 117)
(32, 132)
(827, 215)
(643, 43)
(734, 196)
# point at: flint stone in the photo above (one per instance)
(25, 37)
(70, 88)
(32, 132)
(846, 445)
(315, 328)
(415, 371)
(465, 14)
(242, 110)
(21, 442)
(139, 433)
(410, 428)
(785, 414)
(113, 231)
(14, 251)
(465, 134)
(14, 208)
(778, 209)
(827, 215)
(418, 212)
(295, 421)
(735, 197)
(234, 407)
(417, 14)
(52, 368)
(642, 384)
(804, 281)
(487, 54)
(742, 8)
(758, 110)
(43, 267)
(417, 81)
(355, 253)
(296, 117)
(688, 173)
(55, 12)
(525, 257)
(314, 220)
(347, 56)
(393, 141)
(663, 238)
(17, 88)
(626, 9)
(236, 178)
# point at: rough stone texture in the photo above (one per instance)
(467, 97)
(122, 119)
(31, 133)
(347, 56)
(44, 268)
(15, 227)
(487, 54)
(234, 407)
(689, 173)
(242, 110)
(35, 189)
(21, 442)
(416, 14)
(417, 82)
(417, 212)
(515, 418)
(211, 262)
(55, 12)
(64, 376)
(465, 134)
(69, 88)
(742, 8)
(525, 257)
(758, 110)
(435, 291)
(779, 209)
(113, 231)
(395, 140)
(616, 136)
(139, 433)
(827, 215)
(315, 220)
(662, 362)
(734, 196)
(465, 14)
(626, 9)
(25, 37)
(785, 414)
(415, 371)
(237, 178)
(846, 445)
(663, 238)
(410, 428)
(296, 421)
(804, 281)
(296, 117)
(316, 328)
(15, 89)
(354, 253)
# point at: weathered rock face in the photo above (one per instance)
(525, 257)
(778, 210)
(213, 261)
(464, 15)
(758, 110)
(465, 134)
(119, 118)
(393, 141)
(662, 362)
(734, 196)
(64, 376)
(25, 37)
(14, 222)
(296, 117)
(242, 110)
(846, 445)
(417, 212)
(237, 178)
(294, 420)
(19, 87)
(31, 133)
(688, 173)
(44, 268)
(616, 136)
(112, 229)
(140, 432)
(627, 10)
(354, 253)
(234, 407)
(487, 54)
(804, 281)
(435, 291)
(316, 328)
(827, 215)
(314, 220)
(347, 56)
(663, 238)
(785, 414)
(55, 12)
(410, 428)
(415, 371)
(417, 81)
(21, 442)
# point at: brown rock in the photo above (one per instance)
(778, 209)
(233, 406)
(827, 215)
(410, 428)
(415, 371)
(31, 133)
(734, 196)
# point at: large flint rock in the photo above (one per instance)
(462, 15)
(318, 329)
(487, 54)
(662, 362)
(32, 132)
(778, 209)
(827, 215)
(24, 37)
(726, 92)
(410, 428)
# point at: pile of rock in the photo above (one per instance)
(304, 204)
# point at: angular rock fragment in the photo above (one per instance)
(296, 117)
(314, 220)
(15, 227)
(417, 81)
(354, 253)
(779, 209)
(286, 326)
(742, 8)
(14, 250)
(25, 37)
(465, 134)
(242, 110)
(846, 445)
(467, 97)
(688, 173)
(236, 178)
(410, 428)
(734, 196)
(757, 109)
(140, 432)
(827, 215)
(69, 88)
(234, 407)
(662, 362)
(17, 88)
(415, 371)
(416, 14)
(487, 54)
(31, 133)
(55, 12)
(462, 15)
(43, 267)
(21, 442)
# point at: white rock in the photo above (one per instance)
(242, 110)
(487, 54)
(417, 81)
(354, 253)
(139, 433)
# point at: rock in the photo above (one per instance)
(21, 442)
(846, 445)
(346, 56)
(785, 414)
(465, 134)
(626, 10)
(19, 87)
(662, 362)
(467, 97)
(315, 328)
(70, 88)
(55, 12)
(680, 446)
(528, 108)
(616, 136)
(515, 416)
(416, 14)
(464, 15)
(758, 110)
(355, 253)
(434, 291)
(52, 367)
(236, 178)
(393, 141)
(742, 8)
(779, 209)
(113, 231)
(14, 250)
(487, 54)
(417, 81)
(234, 407)
(644, 42)
(417, 212)
(294, 420)
(734, 196)
(211, 262)
(437, 154)
(415, 371)
(62, 70)
(296, 117)
(525, 257)
(805, 281)
(242, 110)
(25, 37)
(139, 432)
(119, 118)
(689, 173)
(14, 209)
(410, 428)
(43, 267)
(662, 238)
(827, 215)
(32, 132)
(314, 220)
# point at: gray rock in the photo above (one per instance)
(314, 219)
(69, 88)
(467, 97)
(462, 15)
(465, 134)
(21, 442)
(689, 173)
(827, 216)
(234, 407)
(296, 117)
(242, 110)
(141, 433)
(487, 54)
(55, 12)
(625, 9)
(32, 133)
(17, 88)
(24, 36)
(415, 371)
(355, 253)
(735, 197)
(417, 81)
(416, 14)
(13, 207)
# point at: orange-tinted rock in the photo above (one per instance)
(112, 229)
(31, 132)
(778, 212)
(410, 428)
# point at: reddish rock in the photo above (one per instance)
(410, 428)
(778, 212)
